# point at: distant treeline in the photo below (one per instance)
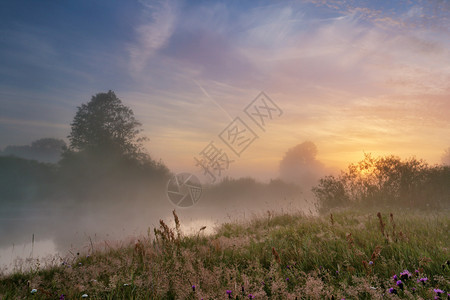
(386, 181)
(79, 180)
(248, 194)
(44, 150)
(105, 162)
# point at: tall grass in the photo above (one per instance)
(346, 254)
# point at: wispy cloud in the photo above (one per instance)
(350, 75)
(158, 23)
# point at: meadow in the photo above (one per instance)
(342, 254)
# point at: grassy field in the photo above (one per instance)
(346, 254)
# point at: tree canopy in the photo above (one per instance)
(386, 180)
(106, 126)
(300, 165)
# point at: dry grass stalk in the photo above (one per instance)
(382, 224)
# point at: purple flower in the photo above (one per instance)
(438, 291)
(229, 293)
(193, 287)
(405, 275)
(392, 291)
(400, 284)
(250, 296)
(287, 279)
(413, 290)
(423, 280)
(370, 262)
(62, 297)
(417, 272)
(395, 277)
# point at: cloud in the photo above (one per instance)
(156, 29)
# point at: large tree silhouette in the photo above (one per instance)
(105, 157)
(106, 126)
(300, 165)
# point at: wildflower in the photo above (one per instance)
(193, 287)
(370, 262)
(84, 296)
(417, 272)
(413, 290)
(405, 275)
(229, 293)
(392, 291)
(250, 296)
(423, 280)
(395, 277)
(287, 279)
(62, 297)
(34, 291)
(400, 284)
(438, 291)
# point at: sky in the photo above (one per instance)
(353, 77)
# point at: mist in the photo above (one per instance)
(169, 149)
(84, 200)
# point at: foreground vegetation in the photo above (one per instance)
(346, 254)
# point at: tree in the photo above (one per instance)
(105, 126)
(299, 165)
(386, 180)
(105, 158)
(446, 157)
(44, 150)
